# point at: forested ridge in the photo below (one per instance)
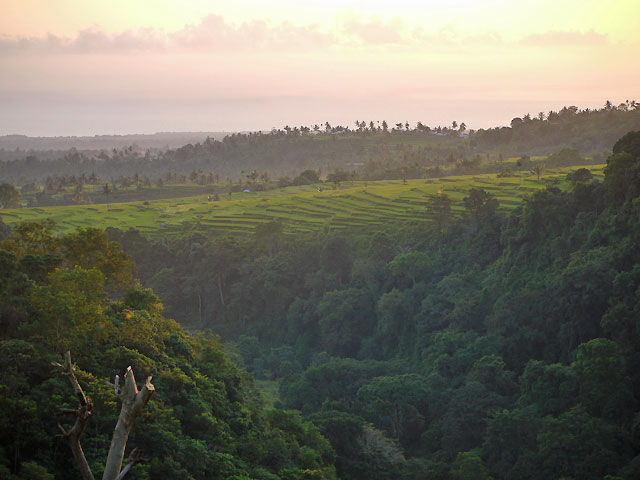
(370, 150)
(492, 346)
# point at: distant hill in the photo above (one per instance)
(160, 140)
(586, 130)
(367, 152)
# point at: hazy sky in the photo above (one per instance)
(139, 66)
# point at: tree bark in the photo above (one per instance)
(82, 414)
(133, 402)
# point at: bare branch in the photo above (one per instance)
(64, 432)
(135, 457)
(82, 417)
(133, 403)
(68, 370)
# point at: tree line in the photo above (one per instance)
(374, 149)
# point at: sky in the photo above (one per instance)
(91, 67)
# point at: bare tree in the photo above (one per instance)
(133, 402)
(538, 170)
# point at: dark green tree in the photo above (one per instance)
(9, 196)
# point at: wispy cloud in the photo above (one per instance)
(214, 33)
(566, 38)
(451, 38)
(374, 30)
(90, 40)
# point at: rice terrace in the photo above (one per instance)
(299, 208)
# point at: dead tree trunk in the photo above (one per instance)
(82, 414)
(133, 402)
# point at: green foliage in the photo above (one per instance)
(629, 143)
(580, 176)
(344, 315)
(621, 176)
(603, 383)
(566, 156)
(575, 445)
(307, 177)
(553, 389)
(480, 204)
(587, 130)
(9, 196)
(489, 347)
(439, 210)
(397, 404)
(412, 265)
(510, 442)
(36, 238)
(207, 419)
(90, 248)
(469, 466)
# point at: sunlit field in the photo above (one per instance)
(299, 209)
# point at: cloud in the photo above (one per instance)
(90, 40)
(374, 31)
(212, 33)
(558, 38)
(449, 38)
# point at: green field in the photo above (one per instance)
(300, 209)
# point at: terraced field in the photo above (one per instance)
(300, 209)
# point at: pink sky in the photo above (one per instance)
(84, 68)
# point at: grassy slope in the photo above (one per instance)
(300, 209)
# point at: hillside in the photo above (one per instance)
(298, 209)
(486, 344)
(155, 141)
(471, 327)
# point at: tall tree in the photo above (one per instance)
(9, 196)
